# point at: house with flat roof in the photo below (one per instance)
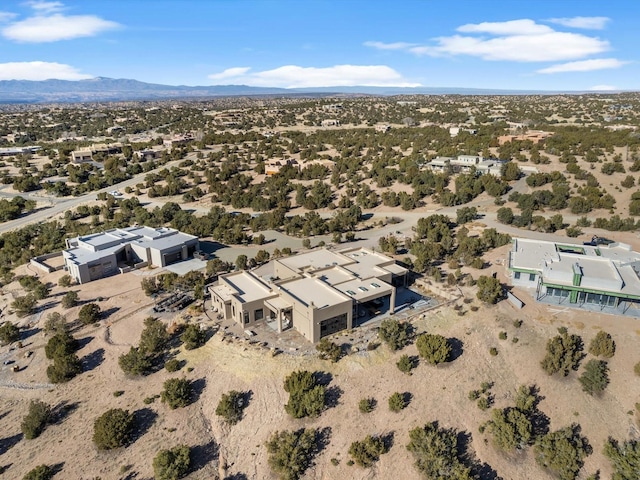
(91, 257)
(318, 293)
(605, 277)
(465, 163)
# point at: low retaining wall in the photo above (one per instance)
(40, 262)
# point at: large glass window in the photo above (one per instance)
(258, 314)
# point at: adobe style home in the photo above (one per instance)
(593, 276)
(99, 255)
(318, 293)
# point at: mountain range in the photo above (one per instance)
(111, 89)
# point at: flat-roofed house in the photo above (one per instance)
(601, 276)
(318, 293)
(91, 257)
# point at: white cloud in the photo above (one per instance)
(521, 40)
(230, 73)
(584, 65)
(547, 47)
(48, 25)
(294, 76)
(511, 27)
(389, 46)
(590, 23)
(46, 7)
(39, 71)
(603, 88)
(6, 16)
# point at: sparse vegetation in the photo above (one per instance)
(41, 472)
(434, 349)
(394, 333)
(231, 406)
(367, 405)
(405, 364)
(397, 402)
(366, 452)
(172, 464)
(9, 333)
(113, 429)
(437, 453)
(306, 395)
(291, 453)
(562, 452)
(34, 423)
(595, 377)
(89, 313)
(177, 393)
(602, 345)
(329, 350)
(193, 337)
(564, 353)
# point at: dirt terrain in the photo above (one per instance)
(437, 393)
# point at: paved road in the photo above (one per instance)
(57, 206)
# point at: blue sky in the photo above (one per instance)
(509, 44)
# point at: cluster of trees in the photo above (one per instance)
(61, 348)
(306, 394)
(140, 360)
(12, 209)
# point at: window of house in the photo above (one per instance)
(532, 277)
(516, 275)
(246, 317)
(363, 289)
(258, 314)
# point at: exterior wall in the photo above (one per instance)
(524, 279)
(142, 253)
(326, 313)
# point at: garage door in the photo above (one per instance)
(170, 258)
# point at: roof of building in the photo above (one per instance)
(310, 290)
(247, 287)
(613, 268)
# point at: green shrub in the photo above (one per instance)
(564, 353)
(517, 323)
(231, 406)
(172, 464)
(89, 314)
(154, 337)
(397, 402)
(562, 452)
(9, 333)
(502, 335)
(59, 345)
(474, 395)
(329, 350)
(65, 281)
(437, 453)
(510, 428)
(64, 368)
(595, 378)
(41, 472)
(367, 405)
(69, 300)
(24, 306)
(433, 348)
(602, 345)
(394, 333)
(193, 337)
(306, 396)
(489, 289)
(483, 403)
(493, 351)
(113, 429)
(173, 365)
(177, 393)
(135, 362)
(624, 458)
(366, 452)
(118, 393)
(405, 364)
(636, 369)
(291, 453)
(34, 423)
